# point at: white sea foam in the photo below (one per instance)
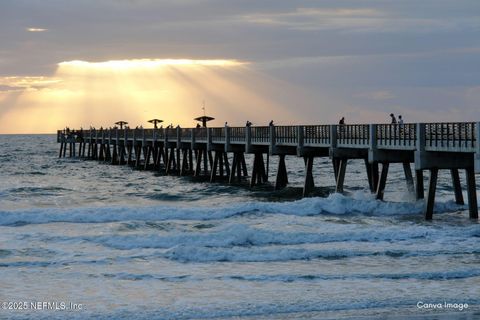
(243, 235)
(335, 204)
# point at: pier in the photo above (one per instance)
(204, 152)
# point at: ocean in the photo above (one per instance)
(82, 239)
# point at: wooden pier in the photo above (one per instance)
(203, 151)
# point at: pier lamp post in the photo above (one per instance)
(121, 123)
(155, 121)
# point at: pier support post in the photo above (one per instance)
(138, 154)
(101, 153)
(114, 155)
(309, 184)
(61, 149)
(213, 172)
(89, 150)
(472, 193)
(258, 171)
(432, 187)
(237, 164)
(227, 164)
(368, 167)
(342, 168)
(336, 165)
(147, 156)
(282, 178)
(186, 167)
(198, 164)
(408, 177)
(171, 163)
(121, 154)
(375, 175)
(419, 188)
(383, 180)
(108, 155)
(457, 187)
(130, 154)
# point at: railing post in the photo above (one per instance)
(193, 137)
(333, 136)
(301, 136)
(477, 147)
(300, 140)
(179, 136)
(248, 139)
(421, 137)
(209, 139)
(227, 138)
(373, 143)
(273, 140)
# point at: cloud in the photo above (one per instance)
(18, 83)
(36, 29)
(381, 95)
(320, 18)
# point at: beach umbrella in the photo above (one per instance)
(121, 123)
(155, 121)
(204, 120)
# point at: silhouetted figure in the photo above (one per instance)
(271, 123)
(342, 121)
(198, 125)
(400, 120)
(394, 121)
(226, 124)
(248, 124)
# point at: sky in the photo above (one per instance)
(93, 62)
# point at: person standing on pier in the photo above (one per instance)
(271, 123)
(341, 125)
(400, 121)
(394, 121)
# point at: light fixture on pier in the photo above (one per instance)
(155, 121)
(121, 123)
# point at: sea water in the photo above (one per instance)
(82, 239)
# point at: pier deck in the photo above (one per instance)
(203, 151)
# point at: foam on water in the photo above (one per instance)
(334, 204)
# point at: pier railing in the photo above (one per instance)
(286, 135)
(448, 136)
(200, 134)
(218, 135)
(353, 135)
(397, 136)
(237, 134)
(317, 135)
(260, 135)
(186, 134)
